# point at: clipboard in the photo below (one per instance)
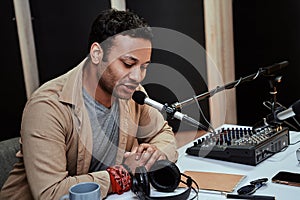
(215, 181)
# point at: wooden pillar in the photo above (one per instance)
(27, 46)
(118, 4)
(220, 53)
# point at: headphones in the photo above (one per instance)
(164, 176)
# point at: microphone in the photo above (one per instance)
(293, 110)
(270, 70)
(280, 115)
(141, 98)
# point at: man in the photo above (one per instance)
(84, 126)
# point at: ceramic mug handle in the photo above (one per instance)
(65, 197)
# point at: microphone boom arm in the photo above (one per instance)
(216, 90)
(265, 71)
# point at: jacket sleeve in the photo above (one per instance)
(154, 129)
(45, 133)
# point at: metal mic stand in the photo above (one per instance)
(270, 121)
(178, 106)
(212, 92)
(275, 107)
(267, 71)
(273, 81)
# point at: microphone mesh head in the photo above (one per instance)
(139, 97)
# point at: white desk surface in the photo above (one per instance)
(285, 160)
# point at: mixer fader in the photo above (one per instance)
(241, 145)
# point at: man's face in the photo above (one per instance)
(128, 59)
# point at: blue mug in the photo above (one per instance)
(83, 191)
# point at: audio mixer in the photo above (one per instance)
(241, 145)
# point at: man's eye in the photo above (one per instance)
(128, 64)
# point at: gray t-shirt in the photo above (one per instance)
(105, 128)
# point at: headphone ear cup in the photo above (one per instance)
(164, 176)
(134, 185)
(140, 181)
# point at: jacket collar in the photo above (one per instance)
(72, 90)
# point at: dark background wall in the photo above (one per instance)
(61, 29)
(13, 94)
(265, 32)
(185, 17)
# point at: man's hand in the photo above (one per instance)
(143, 155)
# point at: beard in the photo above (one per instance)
(111, 87)
(115, 84)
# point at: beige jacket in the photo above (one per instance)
(56, 140)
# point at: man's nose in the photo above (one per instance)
(136, 74)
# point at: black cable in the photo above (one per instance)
(202, 114)
(295, 142)
(189, 182)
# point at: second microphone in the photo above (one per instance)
(141, 98)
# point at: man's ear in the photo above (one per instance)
(96, 53)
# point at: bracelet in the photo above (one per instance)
(128, 169)
(120, 179)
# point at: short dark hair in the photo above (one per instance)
(112, 22)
